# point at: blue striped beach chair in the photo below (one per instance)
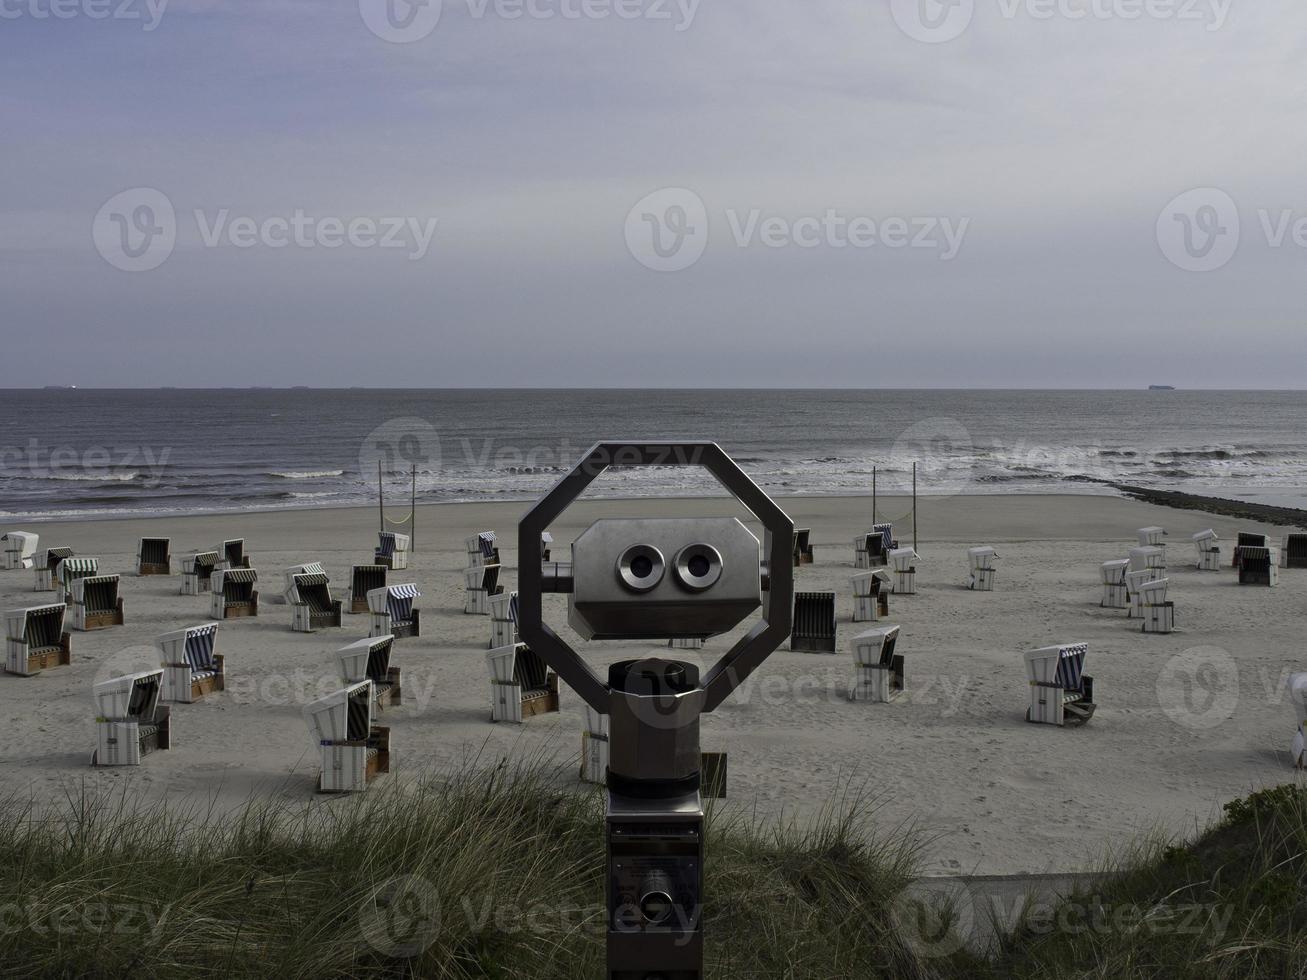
(1061, 693)
(191, 666)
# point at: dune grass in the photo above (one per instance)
(486, 874)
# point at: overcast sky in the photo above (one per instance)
(1025, 193)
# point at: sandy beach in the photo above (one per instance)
(1176, 733)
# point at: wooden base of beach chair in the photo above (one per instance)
(870, 608)
(305, 619)
(1115, 597)
(153, 569)
(389, 693)
(1210, 561)
(88, 622)
(26, 662)
(712, 775)
(510, 703)
(503, 633)
(594, 758)
(239, 610)
(125, 743)
(1159, 618)
(905, 583)
(477, 603)
(348, 767)
(358, 605)
(982, 579)
(44, 580)
(193, 584)
(383, 625)
(1050, 705)
(181, 686)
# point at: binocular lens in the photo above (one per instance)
(641, 567)
(698, 566)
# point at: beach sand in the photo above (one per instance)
(1172, 740)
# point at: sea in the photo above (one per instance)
(121, 453)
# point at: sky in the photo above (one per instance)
(649, 193)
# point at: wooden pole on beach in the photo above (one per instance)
(381, 504)
(413, 513)
(914, 506)
(873, 495)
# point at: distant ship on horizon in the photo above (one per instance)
(1161, 387)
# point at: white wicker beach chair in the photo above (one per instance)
(362, 580)
(1293, 551)
(871, 591)
(314, 608)
(878, 667)
(234, 593)
(393, 550)
(191, 666)
(19, 549)
(71, 569)
(369, 660)
(1152, 537)
(1158, 614)
(983, 572)
(96, 604)
(503, 620)
(154, 557)
(1150, 557)
(45, 570)
(482, 549)
(1209, 550)
(197, 572)
(35, 640)
(233, 553)
(1061, 693)
(354, 751)
(130, 723)
(482, 585)
(392, 611)
(904, 561)
(1116, 592)
(521, 684)
(1259, 566)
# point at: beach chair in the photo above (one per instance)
(45, 570)
(96, 603)
(131, 723)
(197, 572)
(905, 570)
(1116, 592)
(1151, 537)
(71, 569)
(546, 545)
(503, 620)
(313, 609)
(871, 591)
(521, 684)
(982, 568)
(1158, 614)
(1061, 693)
(1134, 584)
(369, 660)
(233, 553)
(1298, 698)
(482, 584)
(35, 640)
(288, 593)
(19, 549)
(1248, 540)
(1209, 551)
(1259, 566)
(1148, 557)
(878, 551)
(878, 669)
(354, 751)
(802, 546)
(362, 580)
(685, 643)
(154, 557)
(814, 622)
(1293, 552)
(482, 549)
(191, 668)
(234, 593)
(392, 550)
(594, 748)
(393, 613)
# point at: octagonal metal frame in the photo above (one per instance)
(778, 546)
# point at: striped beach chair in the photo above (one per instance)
(235, 594)
(1061, 693)
(1148, 557)
(362, 580)
(1298, 698)
(392, 550)
(18, 549)
(482, 585)
(521, 684)
(1116, 591)
(904, 561)
(154, 557)
(546, 545)
(353, 750)
(70, 570)
(482, 549)
(191, 666)
(313, 608)
(1209, 550)
(1151, 537)
(1247, 539)
(233, 553)
(503, 620)
(288, 593)
(802, 546)
(197, 572)
(131, 723)
(983, 571)
(45, 570)
(878, 667)
(35, 640)
(1293, 551)
(1158, 614)
(1259, 566)
(393, 612)
(369, 660)
(813, 630)
(871, 591)
(96, 603)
